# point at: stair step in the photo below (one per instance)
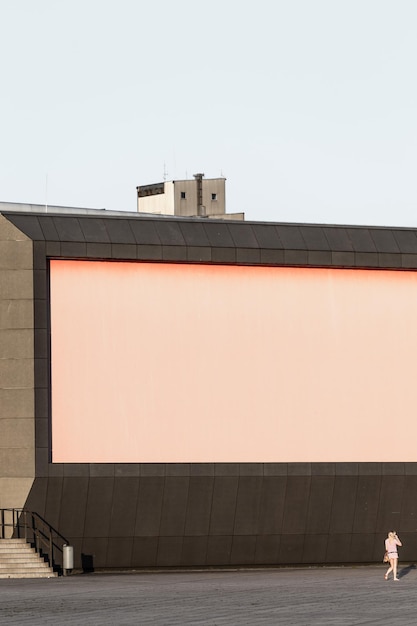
(30, 575)
(5, 558)
(29, 564)
(18, 550)
(18, 559)
(23, 568)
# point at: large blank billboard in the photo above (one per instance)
(178, 363)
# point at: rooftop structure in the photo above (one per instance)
(198, 197)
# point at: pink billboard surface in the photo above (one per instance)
(171, 363)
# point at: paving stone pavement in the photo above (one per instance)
(340, 596)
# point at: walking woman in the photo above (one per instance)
(391, 543)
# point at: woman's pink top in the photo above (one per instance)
(391, 545)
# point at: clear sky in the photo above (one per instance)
(307, 107)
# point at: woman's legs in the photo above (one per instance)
(394, 568)
(390, 569)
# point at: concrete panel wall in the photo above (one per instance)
(17, 406)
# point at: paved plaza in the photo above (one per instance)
(339, 596)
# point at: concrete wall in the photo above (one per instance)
(160, 203)
(17, 407)
(187, 206)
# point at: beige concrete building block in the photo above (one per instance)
(17, 400)
(16, 344)
(17, 433)
(16, 255)
(17, 403)
(16, 314)
(14, 491)
(16, 373)
(16, 284)
(17, 462)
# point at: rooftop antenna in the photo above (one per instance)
(165, 172)
(46, 193)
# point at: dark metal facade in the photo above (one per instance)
(146, 515)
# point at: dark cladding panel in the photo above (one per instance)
(73, 249)
(390, 501)
(194, 551)
(271, 510)
(248, 505)
(362, 547)
(169, 551)
(68, 228)
(174, 506)
(296, 505)
(99, 504)
(200, 494)
(248, 256)
(148, 513)
(243, 550)
(28, 224)
(144, 232)
(267, 237)
(343, 504)
(384, 240)
(219, 550)
(243, 236)
(169, 233)
(194, 234)
(119, 552)
(406, 240)
(338, 548)
(174, 253)
(291, 549)
(224, 505)
(94, 230)
(119, 231)
(408, 514)
(218, 235)
(267, 549)
(53, 501)
(315, 548)
(338, 239)
(367, 503)
(320, 505)
(361, 240)
(73, 507)
(144, 552)
(291, 237)
(94, 553)
(314, 238)
(48, 228)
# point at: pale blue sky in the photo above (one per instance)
(307, 107)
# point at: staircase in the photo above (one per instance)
(19, 560)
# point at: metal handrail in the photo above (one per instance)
(29, 525)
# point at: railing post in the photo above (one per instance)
(35, 536)
(2, 523)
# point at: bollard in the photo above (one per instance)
(67, 559)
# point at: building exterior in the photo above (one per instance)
(201, 197)
(281, 461)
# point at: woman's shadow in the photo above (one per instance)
(406, 570)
